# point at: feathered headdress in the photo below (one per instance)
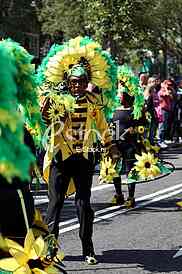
(131, 86)
(17, 88)
(101, 69)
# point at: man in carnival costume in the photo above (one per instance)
(77, 120)
(22, 247)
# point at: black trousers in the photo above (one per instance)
(81, 170)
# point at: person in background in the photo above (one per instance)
(157, 82)
(172, 116)
(151, 104)
(143, 80)
(128, 146)
(179, 87)
(177, 127)
(166, 99)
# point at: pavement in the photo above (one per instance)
(141, 240)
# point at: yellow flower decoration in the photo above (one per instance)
(107, 171)
(146, 166)
(140, 129)
(59, 105)
(23, 257)
(56, 111)
(32, 250)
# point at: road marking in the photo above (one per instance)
(159, 192)
(104, 186)
(40, 201)
(117, 207)
(40, 197)
(162, 197)
(101, 186)
(121, 211)
(46, 200)
(96, 213)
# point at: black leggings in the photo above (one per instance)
(128, 151)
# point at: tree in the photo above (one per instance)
(164, 28)
(119, 25)
(118, 22)
(15, 17)
(114, 23)
(65, 15)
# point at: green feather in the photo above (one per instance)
(40, 76)
(133, 82)
(17, 87)
(109, 96)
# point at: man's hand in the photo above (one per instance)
(131, 130)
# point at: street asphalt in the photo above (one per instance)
(141, 240)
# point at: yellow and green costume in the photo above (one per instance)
(19, 107)
(102, 72)
(88, 116)
(75, 123)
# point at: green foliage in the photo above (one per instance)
(63, 15)
(15, 18)
(110, 22)
(118, 24)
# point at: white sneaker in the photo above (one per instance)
(91, 260)
(162, 145)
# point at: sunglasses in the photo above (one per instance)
(77, 81)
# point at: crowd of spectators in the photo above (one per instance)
(163, 102)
